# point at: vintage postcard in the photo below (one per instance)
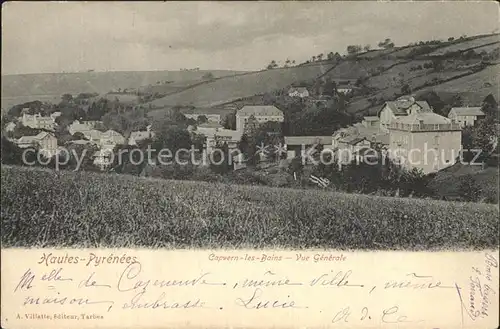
(315, 164)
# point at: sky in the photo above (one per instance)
(51, 37)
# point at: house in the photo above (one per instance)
(45, 141)
(138, 136)
(108, 138)
(366, 129)
(37, 121)
(344, 90)
(55, 115)
(301, 92)
(355, 141)
(210, 117)
(263, 113)
(351, 147)
(425, 140)
(230, 137)
(302, 145)
(82, 127)
(206, 129)
(323, 99)
(466, 116)
(111, 137)
(213, 114)
(401, 107)
(371, 122)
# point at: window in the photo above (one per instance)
(436, 140)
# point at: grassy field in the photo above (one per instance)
(468, 44)
(447, 182)
(100, 82)
(44, 208)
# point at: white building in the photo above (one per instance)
(466, 116)
(82, 127)
(138, 136)
(37, 121)
(263, 113)
(401, 107)
(45, 141)
(426, 141)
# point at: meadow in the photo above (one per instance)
(44, 208)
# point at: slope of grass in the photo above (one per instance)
(446, 182)
(475, 83)
(468, 44)
(67, 209)
(239, 86)
(100, 82)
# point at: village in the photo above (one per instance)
(401, 125)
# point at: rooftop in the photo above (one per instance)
(402, 104)
(205, 110)
(467, 111)
(268, 110)
(425, 118)
(298, 89)
(424, 122)
(308, 140)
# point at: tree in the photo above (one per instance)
(406, 89)
(198, 141)
(469, 189)
(490, 106)
(330, 56)
(20, 130)
(173, 138)
(11, 153)
(386, 44)
(249, 140)
(272, 65)
(201, 119)
(437, 64)
(296, 167)
(208, 76)
(434, 101)
(330, 88)
(457, 101)
(229, 121)
(485, 136)
(221, 164)
(320, 57)
(353, 49)
(66, 98)
(367, 47)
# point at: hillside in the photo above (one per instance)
(446, 182)
(44, 208)
(385, 71)
(227, 89)
(27, 87)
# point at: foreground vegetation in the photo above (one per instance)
(44, 208)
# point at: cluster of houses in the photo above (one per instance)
(402, 128)
(47, 143)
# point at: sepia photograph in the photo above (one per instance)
(346, 125)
